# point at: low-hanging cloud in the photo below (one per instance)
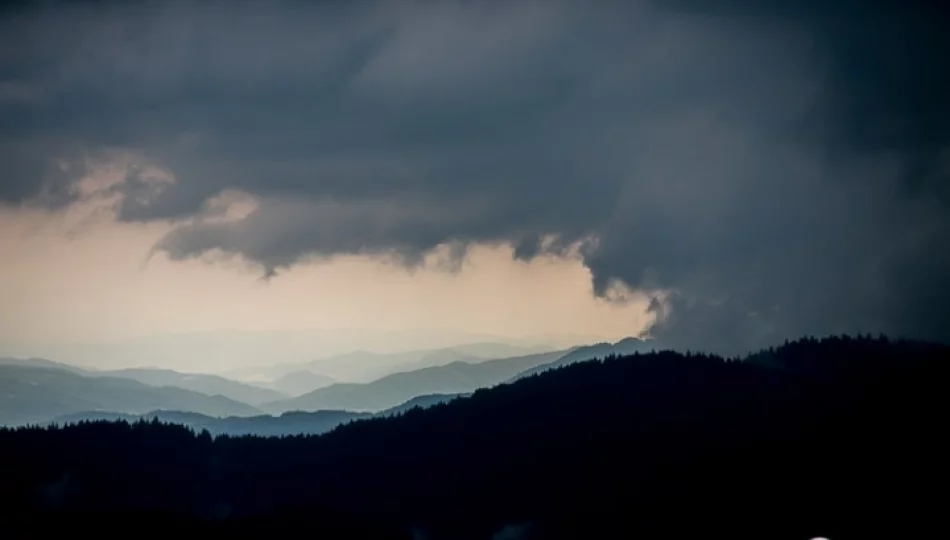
(781, 170)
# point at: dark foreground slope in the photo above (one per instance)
(839, 438)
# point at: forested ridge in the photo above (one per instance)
(840, 437)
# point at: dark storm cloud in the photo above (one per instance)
(783, 169)
(880, 131)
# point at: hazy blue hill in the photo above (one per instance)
(362, 365)
(382, 365)
(206, 384)
(473, 353)
(392, 390)
(359, 366)
(292, 423)
(300, 382)
(289, 423)
(625, 346)
(40, 363)
(491, 350)
(367, 366)
(437, 358)
(37, 394)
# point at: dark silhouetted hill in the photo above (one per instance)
(422, 402)
(839, 438)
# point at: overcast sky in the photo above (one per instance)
(758, 169)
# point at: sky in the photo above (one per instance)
(75, 278)
(719, 175)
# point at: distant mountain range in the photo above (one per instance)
(422, 402)
(300, 382)
(39, 363)
(37, 390)
(36, 394)
(367, 366)
(389, 391)
(206, 384)
(220, 351)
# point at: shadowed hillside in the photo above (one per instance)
(837, 438)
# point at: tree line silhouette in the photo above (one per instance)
(839, 437)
